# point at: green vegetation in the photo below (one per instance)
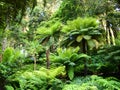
(60, 45)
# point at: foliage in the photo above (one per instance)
(13, 8)
(101, 61)
(10, 55)
(83, 31)
(111, 59)
(12, 59)
(48, 32)
(68, 9)
(73, 41)
(71, 9)
(80, 23)
(56, 84)
(70, 58)
(7, 87)
(34, 80)
(93, 83)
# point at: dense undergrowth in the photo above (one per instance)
(66, 71)
(77, 48)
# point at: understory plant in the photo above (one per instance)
(93, 82)
(111, 59)
(11, 62)
(70, 58)
(35, 80)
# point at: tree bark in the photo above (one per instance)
(112, 36)
(34, 62)
(4, 44)
(47, 58)
(108, 37)
(84, 49)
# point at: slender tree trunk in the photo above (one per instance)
(34, 62)
(47, 58)
(107, 31)
(84, 51)
(0, 57)
(4, 44)
(108, 37)
(112, 36)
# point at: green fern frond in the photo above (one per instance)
(93, 83)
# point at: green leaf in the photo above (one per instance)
(96, 43)
(70, 43)
(51, 41)
(79, 38)
(84, 56)
(71, 64)
(9, 87)
(91, 44)
(74, 57)
(74, 33)
(71, 72)
(86, 37)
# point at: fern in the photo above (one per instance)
(50, 29)
(80, 24)
(93, 83)
(34, 80)
(111, 59)
(7, 87)
(71, 72)
(8, 55)
(70, 58)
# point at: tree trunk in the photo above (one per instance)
(0, 57)
(34, 61)
(84, 49)
(112, 36)
(108, 37)
(47, 58)
(4, 44)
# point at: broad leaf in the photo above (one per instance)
(91, 44)
(86, 37)
(79, 38)
(96, 43)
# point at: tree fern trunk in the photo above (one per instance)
(34, 62)
(47, 58)
(84, 51)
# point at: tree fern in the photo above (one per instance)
(70, 58)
